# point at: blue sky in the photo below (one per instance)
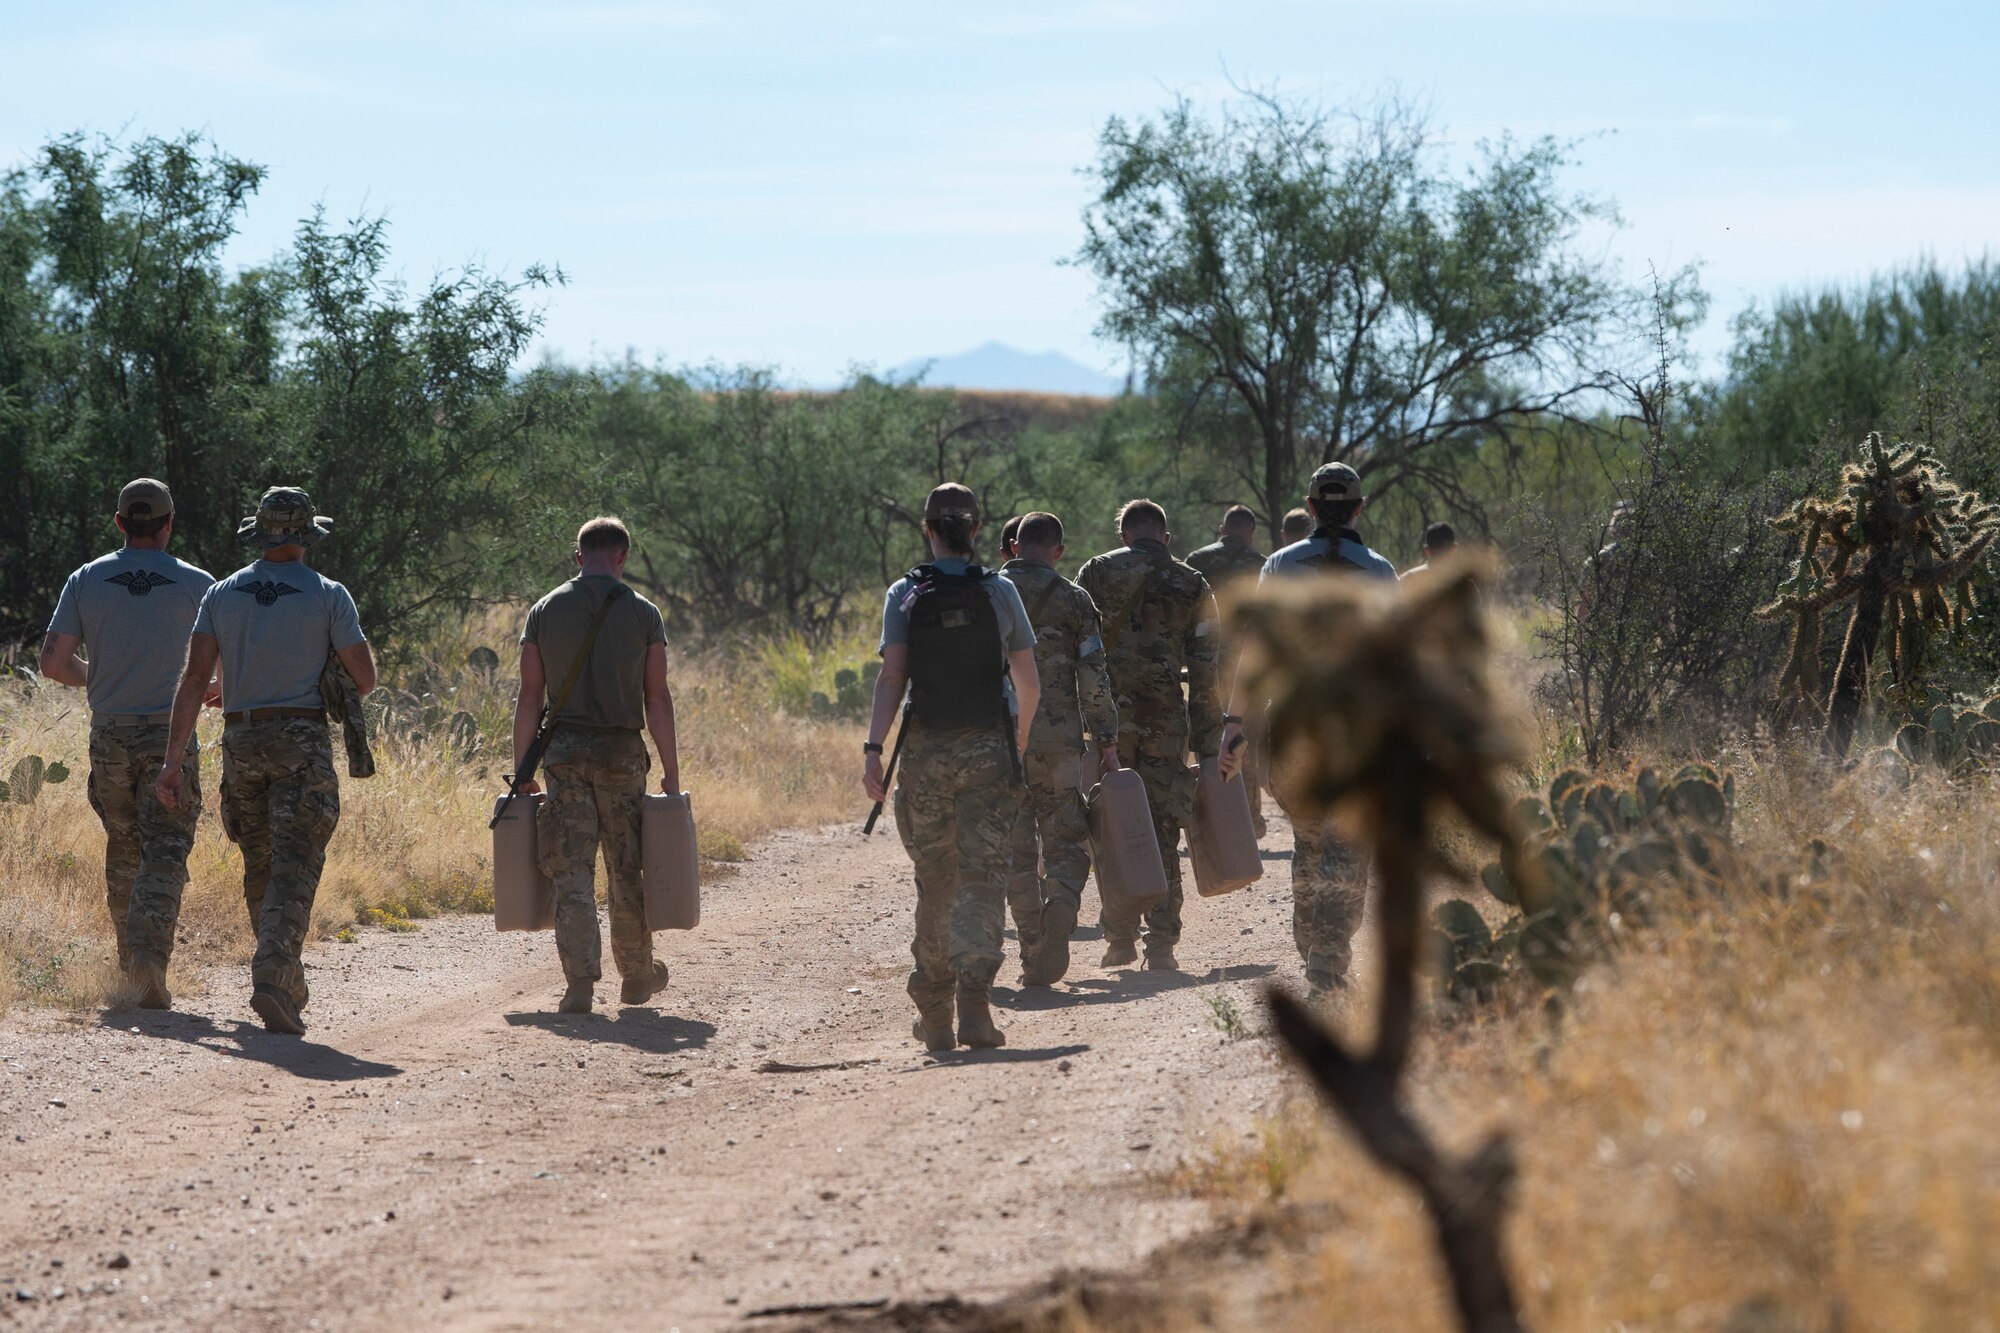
(818, 185)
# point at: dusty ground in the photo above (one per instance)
(442, 1150)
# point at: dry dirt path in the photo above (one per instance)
(443, 1151)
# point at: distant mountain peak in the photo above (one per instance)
(995, 365)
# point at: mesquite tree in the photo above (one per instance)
(1381, 707)
(1899, 543)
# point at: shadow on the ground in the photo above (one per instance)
(1130, 984)
(301, 1057)
(1267, 854)
(1003, 1055)
(641, 1029)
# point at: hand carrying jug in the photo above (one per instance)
(523, 897)
(1131, 877)
(1222, 840)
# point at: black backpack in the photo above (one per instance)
(957, 661)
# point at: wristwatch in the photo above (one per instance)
(870, 747)
(1227, 718)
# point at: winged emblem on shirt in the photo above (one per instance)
(266, 592)
(139, 582)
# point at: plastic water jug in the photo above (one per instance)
(1131, 877)
(1222, 840)
(523, 897)
(673, 866)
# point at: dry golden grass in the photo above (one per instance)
(1772, 1113)
(412, 840)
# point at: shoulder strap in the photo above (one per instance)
(583, 655)
(1042, 602)
(1114, 629)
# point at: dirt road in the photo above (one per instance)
(442, 1150)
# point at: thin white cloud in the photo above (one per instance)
(1046, 20)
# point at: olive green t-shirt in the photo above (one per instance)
(611, 693)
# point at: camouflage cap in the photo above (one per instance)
(284, 517)
(145, 498)
(951, 500)
(1335, 481)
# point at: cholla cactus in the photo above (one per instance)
(1901, 542)
(1381, 708)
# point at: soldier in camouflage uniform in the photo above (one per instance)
(596, 759)
(1329, 882)
(1231, 565)
(133, 609)
(1076, 692)
(958, 637)
(1159, 622)
(271, 626)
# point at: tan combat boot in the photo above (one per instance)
(975, 1019)
(1120, 953)
(578, 998)
(277, 1010)
(933, 1026)
(638, 990)
(151, 979)
(1051, 958)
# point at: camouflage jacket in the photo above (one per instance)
(1160, 621)
(1224, 562)
(1069, 656)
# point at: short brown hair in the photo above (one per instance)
(1040, 529)
(604, 533)
(1142, 516)
(1297, 521)
(1239, 516)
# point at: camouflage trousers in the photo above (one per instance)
(958, 805)
(280, 805)
(1329, 896)
(146, 844)
(1170, 785)
(595, 780)
(1051, 856)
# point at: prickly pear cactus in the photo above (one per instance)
(1959, 739)
(1607, 848)
(24, 784)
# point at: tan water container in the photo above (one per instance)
(1086, 772)
(523, 897)
(673, 865)
(1130, 875)
(1222, 840)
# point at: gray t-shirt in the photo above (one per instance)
(133, 609)
(275, 622)
(1016, 634)
(1314, 554)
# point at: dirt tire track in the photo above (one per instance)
(443, 1150)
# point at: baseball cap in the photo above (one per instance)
(1335, 481)
(284, 517)
(951, 500)
(145, 498)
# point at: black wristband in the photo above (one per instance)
(870, 747)
(1227, 718)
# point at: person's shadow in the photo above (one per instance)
(1000, 1055)
(1128, 986)
(642, 1029)
(299, 1056)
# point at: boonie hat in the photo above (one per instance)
(284, 517)
(1336, 481)
(951, 500)
(145, 498)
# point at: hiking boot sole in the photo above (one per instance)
(638, 991)
(277, 1014)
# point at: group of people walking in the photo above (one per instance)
(1016, 688)
(1017, 679)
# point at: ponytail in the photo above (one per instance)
(954, 533)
